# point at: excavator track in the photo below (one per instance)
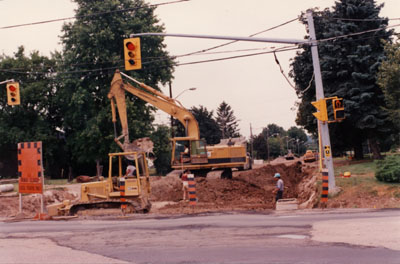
(132, 206)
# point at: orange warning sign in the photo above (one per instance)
(30, 167)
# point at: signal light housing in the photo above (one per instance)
(338, 109)
(132, 54)
(13, 97)
(322, 115)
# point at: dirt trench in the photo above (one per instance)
(247, 190)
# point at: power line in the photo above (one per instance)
(357, 33)
(231, 42)
(362, 19)
(91, 15)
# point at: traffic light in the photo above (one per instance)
(322, 115)
(132, 56)
(338, 109)
(13, 93)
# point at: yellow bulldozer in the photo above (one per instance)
(130, 193)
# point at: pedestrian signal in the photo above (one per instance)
(338, 109)
(13, 93)
(132, 55)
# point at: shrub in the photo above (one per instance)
(388, 170)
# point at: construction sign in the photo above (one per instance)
(30, 169)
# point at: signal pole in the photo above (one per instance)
(323, 128)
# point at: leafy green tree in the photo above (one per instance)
(92, 51)
(226, 121)
(300, 138)
(349, 66)
(209, 129)
(162, 149)
(389, 81)
(37, 118)
(275, 130)
(267, 144)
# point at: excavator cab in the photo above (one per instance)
(187, 151)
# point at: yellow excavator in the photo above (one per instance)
(188, 152)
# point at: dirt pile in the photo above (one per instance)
(248, 190)
(9, 206)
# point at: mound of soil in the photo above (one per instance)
(9, 206)
(247, 190)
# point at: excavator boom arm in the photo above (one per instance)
(155, 98)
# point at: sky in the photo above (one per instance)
(253, 86)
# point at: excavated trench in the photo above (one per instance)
(247, 191)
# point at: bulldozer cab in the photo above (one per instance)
(133, 183)
(189, 152)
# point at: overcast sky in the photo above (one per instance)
(252, 86)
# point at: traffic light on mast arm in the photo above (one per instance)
(338, 109)
(13, 93)
(322, 115)
(133, 60)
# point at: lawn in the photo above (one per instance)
(362, 189)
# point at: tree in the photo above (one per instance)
(300, 137)
(162, 149)
(389, 81)
(37, 118)
(209, 129)
(226, 121)
(92, 51)
(269, 143)
(349, 66)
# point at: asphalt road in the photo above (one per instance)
(213, 238)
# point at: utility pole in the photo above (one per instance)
(251, 145)
(319, 90)
(172, 118)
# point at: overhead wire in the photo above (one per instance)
(234, 41)
(90, 15)
(193, 53)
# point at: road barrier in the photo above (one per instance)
(192, 189)
(325, 186)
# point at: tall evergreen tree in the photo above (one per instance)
(93, 50)
(349, 65)
(209, 129)
(226, 121)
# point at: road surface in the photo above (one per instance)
(315, 236)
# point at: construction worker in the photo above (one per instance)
(185, 185)
(279, 187)
(130, 170)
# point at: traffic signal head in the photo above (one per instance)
(338, 109)
(13, 93)
(132, 55)
(322, 115)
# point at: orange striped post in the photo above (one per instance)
(192, 189)
(325, 187)
(122, 194)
